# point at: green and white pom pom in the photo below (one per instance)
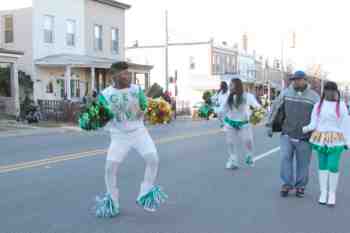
(96, 115)
(151, 201)
(105, 207)
(142, 100)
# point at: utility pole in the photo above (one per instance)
(166, 52)
(282, 64)
(166, 46)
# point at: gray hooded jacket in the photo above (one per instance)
(297, 107)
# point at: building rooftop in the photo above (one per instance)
(114, 4)
(83, 61)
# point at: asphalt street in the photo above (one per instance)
(48, 184)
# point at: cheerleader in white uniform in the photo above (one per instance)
(236, 113)
(127, 130)
(328, 125)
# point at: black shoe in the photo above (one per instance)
(284, 191)
(300, 192)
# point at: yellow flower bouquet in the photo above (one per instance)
(158, 111)
(257, 116)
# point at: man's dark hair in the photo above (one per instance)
(119, 66)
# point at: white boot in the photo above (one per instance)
(323, 179)
(232, 162)
(333, 183)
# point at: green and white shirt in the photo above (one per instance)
(127, 106)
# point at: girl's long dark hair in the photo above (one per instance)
(238, 92)
(223, 87)
(330, 93)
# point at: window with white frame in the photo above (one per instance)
(98, 37)
(115, 40)
(48, 29)
(8, 20)
(75, 88)
(71, 28)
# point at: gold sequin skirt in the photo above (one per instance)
(328, 139)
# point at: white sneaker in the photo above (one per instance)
(228, 164)
(231, 165)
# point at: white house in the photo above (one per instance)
(197, 66)
(68, 45)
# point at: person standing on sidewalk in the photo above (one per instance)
(296, 104)
(328, 124)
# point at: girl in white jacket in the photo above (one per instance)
(236, 113)
(328, 139)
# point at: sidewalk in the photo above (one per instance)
(12, 128)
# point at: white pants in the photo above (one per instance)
(121, 144)
(239, 143)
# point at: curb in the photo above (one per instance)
(29, 132)
(26, 130)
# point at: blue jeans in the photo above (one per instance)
(302, 151)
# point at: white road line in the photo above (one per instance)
(270, 152)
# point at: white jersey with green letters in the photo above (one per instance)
(127, 105)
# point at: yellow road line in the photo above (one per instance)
(85, 154)
(53, 158)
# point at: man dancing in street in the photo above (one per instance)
(127, 102)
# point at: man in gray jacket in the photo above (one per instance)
(297, 102)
